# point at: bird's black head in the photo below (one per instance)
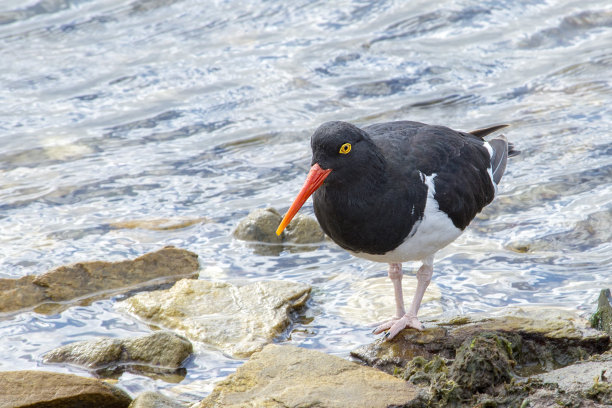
(343, 156)
(345, 149)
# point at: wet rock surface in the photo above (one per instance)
(57, 390)
(159, 354)
(152, 399)
(288, 376)
(259, 227)
(492, 362)
(237, 320)
(537, 344)
(91, 278)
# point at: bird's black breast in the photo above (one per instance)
(369, 218)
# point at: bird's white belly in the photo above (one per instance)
(435, 231)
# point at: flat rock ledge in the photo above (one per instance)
(499, 362)
(43, 389)
(93, 278)
(288, 376)
(238, 320)
(159, 354)
(259, 227)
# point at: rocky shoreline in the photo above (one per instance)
(507, 361)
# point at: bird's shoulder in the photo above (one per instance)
(427, 148)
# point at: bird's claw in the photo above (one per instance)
(397, 324)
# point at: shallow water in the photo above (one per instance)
(115, 111)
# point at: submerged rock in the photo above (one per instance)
(90, 278)
(46, 389)
(288, 376)
(259, 227)
(237, 320)
(602, 318)
(303, 230)
(159, 224)
(159, 353)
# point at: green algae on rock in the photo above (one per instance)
(537, 345)
(602, 318)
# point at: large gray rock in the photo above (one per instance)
(158, 353)
(590, 379)
(90, 278)
(42, 389)
(288, 376)
(237, 320)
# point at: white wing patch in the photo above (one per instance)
(490, 168)
(435, 231)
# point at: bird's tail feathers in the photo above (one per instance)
(481, 133)
(500, 157)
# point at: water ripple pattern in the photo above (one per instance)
(119, 110)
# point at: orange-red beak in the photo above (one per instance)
(315, 178)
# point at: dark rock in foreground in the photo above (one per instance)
(90, 278)
(157, 354)
(42, 389)
(538, 345)
(466, 363)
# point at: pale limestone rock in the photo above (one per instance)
(237, 320)
(150, 399)
(288, 376)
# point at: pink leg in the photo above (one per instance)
(403, 320)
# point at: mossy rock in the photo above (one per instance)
(483, 362)
(602, 318)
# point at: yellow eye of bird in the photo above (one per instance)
(345, 148)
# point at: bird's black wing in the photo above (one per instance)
(459, 161)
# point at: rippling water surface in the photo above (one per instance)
(140, 110)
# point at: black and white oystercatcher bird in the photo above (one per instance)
(400, 191)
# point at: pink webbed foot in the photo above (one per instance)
(396, 324)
